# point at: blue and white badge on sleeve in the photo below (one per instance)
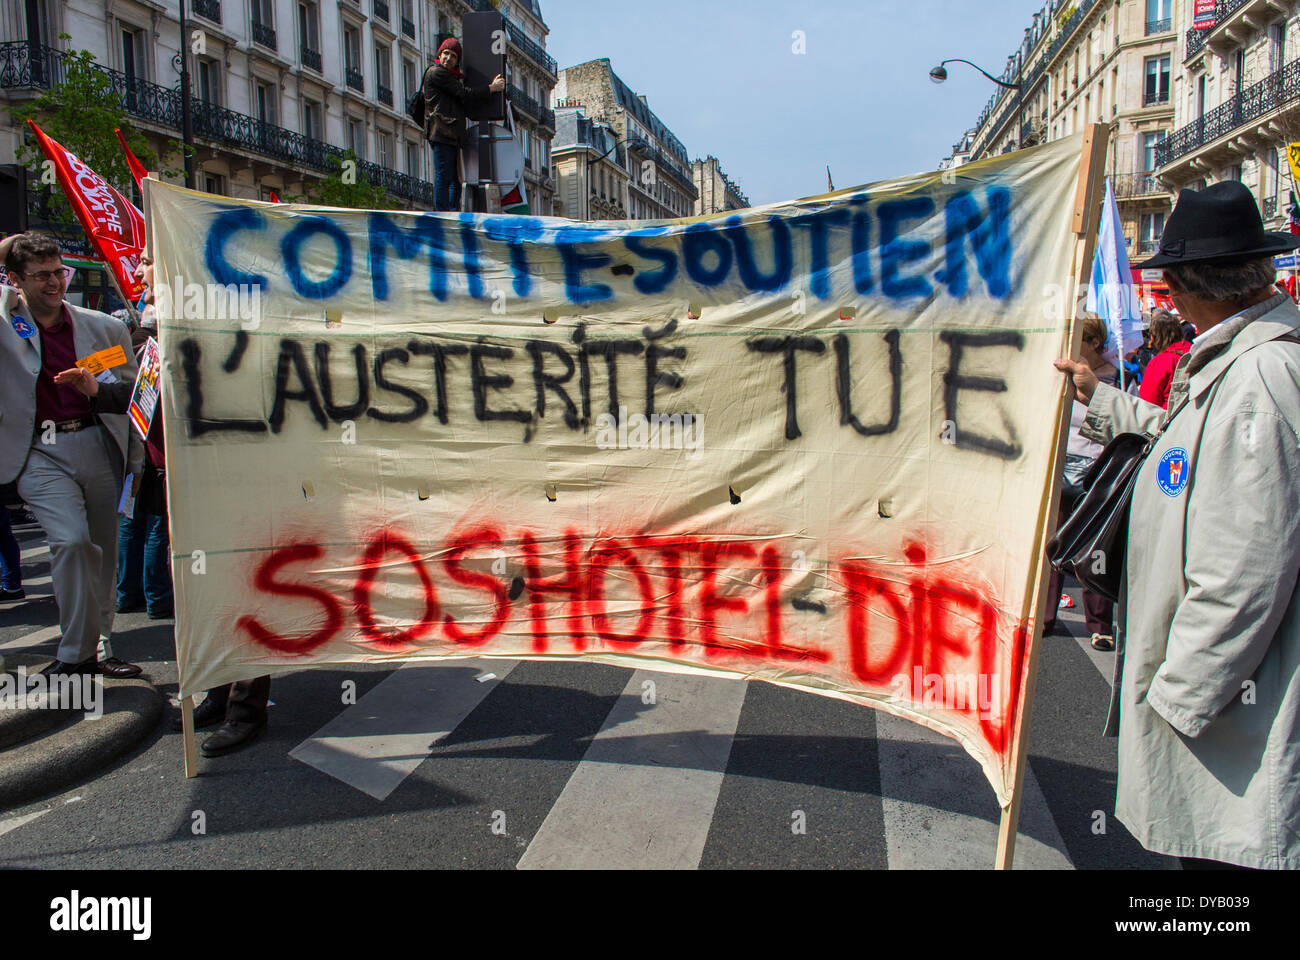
(23, 327)
(1174, 471)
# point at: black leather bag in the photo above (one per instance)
(415, 106)
(1091, 543)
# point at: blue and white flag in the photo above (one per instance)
(1111, 294)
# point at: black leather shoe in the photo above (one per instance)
(8, 595)
(206, 714)
(233, 735)
(60, 669)
(118, 669)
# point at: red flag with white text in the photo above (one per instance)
(114, 225)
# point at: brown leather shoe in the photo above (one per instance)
(231, 736)
(119, 669)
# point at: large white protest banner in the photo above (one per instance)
(808, 443)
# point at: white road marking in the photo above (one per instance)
(643, 796)
(43, 635)
(29, 555)
(378, 742)
(929, 833)
(15, 822)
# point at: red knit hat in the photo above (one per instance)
(452, 44)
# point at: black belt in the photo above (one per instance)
(71, 426)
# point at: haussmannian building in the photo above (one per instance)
(718, 193)
(1082, 62)
(660, 184)
(1236, 99)
(591, 166)
(280, 88)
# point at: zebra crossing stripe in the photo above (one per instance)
(644, 794)
(378, 742)
(43, 635)
(955, 825)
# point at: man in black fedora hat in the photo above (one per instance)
(1207, 692)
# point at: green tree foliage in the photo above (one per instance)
(346, 186)
(81, 112)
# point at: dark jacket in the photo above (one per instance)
(446, 100)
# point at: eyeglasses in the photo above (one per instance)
(45, 276)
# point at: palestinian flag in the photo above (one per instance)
(516, 201)
(1293, 214)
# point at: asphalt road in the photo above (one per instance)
(553, 764)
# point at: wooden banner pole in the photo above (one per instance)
(1087, 221)
(188, 742)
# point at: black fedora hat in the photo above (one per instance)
(1220, 224)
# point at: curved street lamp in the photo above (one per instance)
(939, 74)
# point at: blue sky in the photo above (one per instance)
(722, 75)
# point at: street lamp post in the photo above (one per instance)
(939, 74)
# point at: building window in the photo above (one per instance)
(1152, 227)
(1150, 142)
(409, 79)
(383, 73)
(1233, 173)
(133, 58)
(352, 58)
(311, 120)
(1277, 46)
(1271, 180)
(264, 101)
(357, 137)
(214, 183)
(413, 160)
(1159, 16)
(1157, 81)
(309, 34)
(264, 23)
(208, 81)
(385, 144)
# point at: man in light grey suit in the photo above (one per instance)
(70, 464)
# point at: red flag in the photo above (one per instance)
(274, 197)
(114, 225)
(137, 168)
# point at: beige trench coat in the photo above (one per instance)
(1208, 664)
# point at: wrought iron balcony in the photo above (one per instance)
(1131, 185)
(1259, 99)
(264, 35)
(385, 94)
(1269, 207)
(356, 80)
(1159, 26)
(207, 9)
(532, 49)
(1150, 99)
(1148, 247)
(26, 65)
(408, 27)
(1195, 43)
(381, 10)
(519, 38)
(311, 58)
(543, 115)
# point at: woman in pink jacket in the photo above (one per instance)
(1168, 345)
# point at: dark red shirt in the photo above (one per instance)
(58, 353)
